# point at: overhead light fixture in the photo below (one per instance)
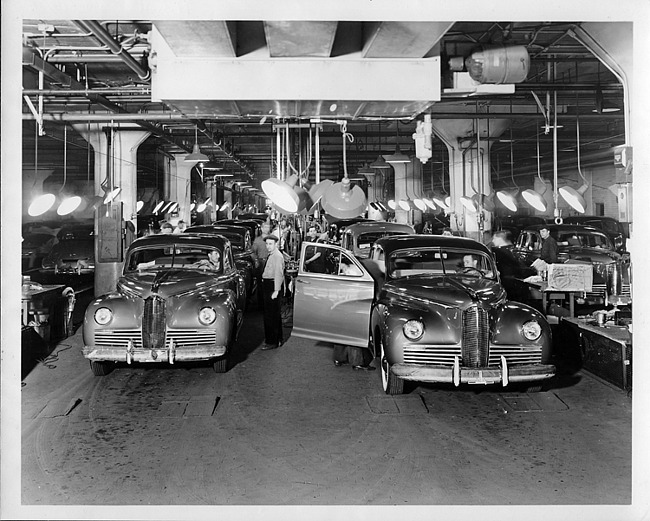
(366, 170)
(224, 206)
(397, 156)
(392, 204)
(138, 206)
(534, 199)
(508, 198)
(41, 204)
(442, 203)
(112, 194)
(343, 200)
(69, 205)
(404, 205)
(157, 208)
(281, 193)
(431, 204)
(196, 155)
(469, 203)
(575, 198)
(380, 163)
(420, 204)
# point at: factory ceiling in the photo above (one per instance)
(234, 83)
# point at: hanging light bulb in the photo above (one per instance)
(196, 155)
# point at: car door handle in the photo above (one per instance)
(303, 281)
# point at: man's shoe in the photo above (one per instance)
(338, 363)
(363, 368)
(266, 347)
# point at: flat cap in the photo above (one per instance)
(272, 237)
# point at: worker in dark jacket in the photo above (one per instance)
(272, 284)
(548, 252)
(512, 271)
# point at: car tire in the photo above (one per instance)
(101, 368)
(390, 383)
(220, 365)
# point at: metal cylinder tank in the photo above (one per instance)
(502, 64)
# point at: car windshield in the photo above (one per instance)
(177, 256)
(366, 240)
(439, 261)
(585, 240)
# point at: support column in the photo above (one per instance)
(375, 193)
(178, 186)
(118, 153)
(469, 170)
(401, 216)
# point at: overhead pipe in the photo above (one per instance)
(104, 37)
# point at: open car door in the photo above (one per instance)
(333, 296)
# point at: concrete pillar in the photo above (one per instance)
(401, 216)
(178, 186)
(122, 158)
(376, 193)
(469, 169)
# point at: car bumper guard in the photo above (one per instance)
(457, 374)
(171, 354)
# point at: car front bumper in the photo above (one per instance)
(458, 374)
(169, 355)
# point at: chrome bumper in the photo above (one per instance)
(170, 355)
(457, 374)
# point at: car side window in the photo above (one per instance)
(348, 268)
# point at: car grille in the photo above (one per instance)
(444, 355)
(180, 337)
(598, 290)
(476, 337)
(153, 323)
(515, 355)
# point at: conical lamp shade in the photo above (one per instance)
(575, 197)
(316, 192)
(41, 204)
(343, 201)
(281, 193)
(304, 201)
(196, 155)
(398, 157)
(380, 163)
(534, 199)
(508, 199)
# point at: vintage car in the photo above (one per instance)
(253, 225)
(241, 243)
(614, 229)
(170, 305)
(74, 251)
(35, 247)
(579, 244)
(359, 237)
(431, 307)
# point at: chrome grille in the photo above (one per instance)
(180, 337)
(515, 355)
(475, 342)
(153, 323)
(434, 355)
(598, 290)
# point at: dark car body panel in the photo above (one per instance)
(74, 251)
(176, 293)
(371, 309)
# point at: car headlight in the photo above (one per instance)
(413, 329)
(103, 316)
(531, 330)
(207, 316)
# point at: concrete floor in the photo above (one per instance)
(287, 427)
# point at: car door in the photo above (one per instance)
(332, 304)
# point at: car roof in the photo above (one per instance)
(379, 225)
(564, 227)
(396, 242)
(589, 218)
(203, 228)
(184, 239)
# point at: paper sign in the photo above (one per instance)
(570, 277)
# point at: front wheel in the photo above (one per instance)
(101, 368)
(390, 383)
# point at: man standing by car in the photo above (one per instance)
(259, 254)
(272, 282)
(548, 252)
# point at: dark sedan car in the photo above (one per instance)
(241, 242)
(74, 252)
(615, 230)
(578, 244)
(431, 307)
(180, 298)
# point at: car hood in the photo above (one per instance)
(166, 283)
(591, 254)
(450, 290)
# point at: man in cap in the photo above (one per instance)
(272, 282)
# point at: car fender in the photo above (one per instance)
(507, 320)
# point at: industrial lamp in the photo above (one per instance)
(343, 200)
(69, 205)
(431, 204)
(392, 204)
(41, 204)
(398, 156)
(534, 199)
(112, 194)
(404, 205)
(196, 154)
(575, 198)
(508, 198)
(444, 204)
(469, 203)
(282, 193)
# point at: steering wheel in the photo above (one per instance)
(468, 269)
